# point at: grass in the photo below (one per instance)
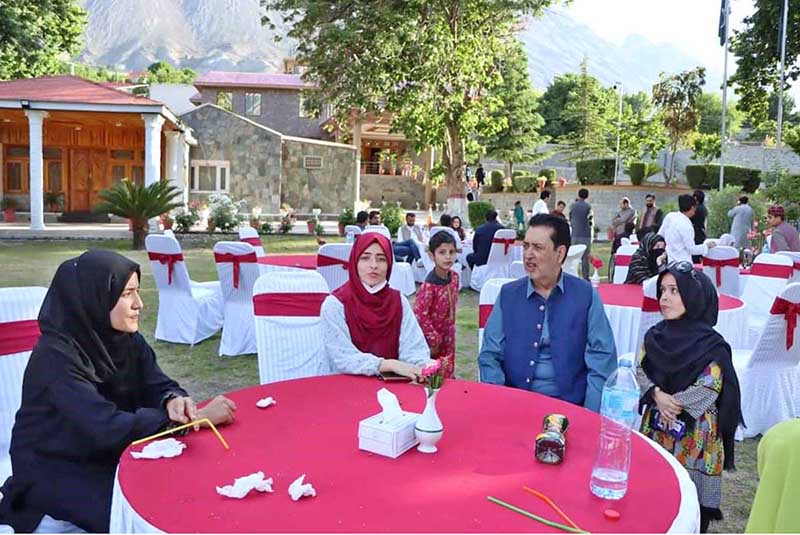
(203, 373)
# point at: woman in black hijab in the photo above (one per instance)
(647, 259)
(689, 384)
(91, 387)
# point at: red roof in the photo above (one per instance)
(251, 79)
(69, 89)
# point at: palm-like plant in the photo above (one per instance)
(138, 203)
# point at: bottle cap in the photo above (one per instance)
(611, 514)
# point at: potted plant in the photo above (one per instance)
(167, 221)
(9, 207)
(346, 218)
(53, 200)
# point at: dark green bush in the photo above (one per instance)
(636, 172)
(477, 212)
(549, 174)
(697, 176)
(496, 180)
(746, 178)
(524, 184)
(518, 172)
(392, 216)
(597, 171)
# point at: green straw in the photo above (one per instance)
(535, 517)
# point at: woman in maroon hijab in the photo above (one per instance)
(367, 327)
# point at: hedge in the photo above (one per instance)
(524, 184)
(496, 180)
(597, 171)
(549, 174)
(519, 172)
(707, 177)
(477, 211)
(697, 177)
(636, 172)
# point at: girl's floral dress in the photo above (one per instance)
(435, 309)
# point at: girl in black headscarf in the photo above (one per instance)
(91, 387)
(647, 259)
(689, 384)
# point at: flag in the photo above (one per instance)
(722, 21)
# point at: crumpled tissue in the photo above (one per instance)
(298, 489)
(243, 485)
(157, 449)
(390, 405)
(266, 402)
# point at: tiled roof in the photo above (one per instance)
(250, 79)
(69, 89)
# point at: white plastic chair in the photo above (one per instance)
(332, 261)
(499, 261)
(238, 331)
(287, 325)
(573, 260)
(796, 264)
(188, 311)
(721, 265)
(622, 260)
(486, 301)
(401, 279)
(249, 235)
(19, 310)
(517, 270)
(768, 276)
(769, 376)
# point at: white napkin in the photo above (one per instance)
(168, 447)
(298, 489)
(390, 405)
(266, 402)
(243, 485)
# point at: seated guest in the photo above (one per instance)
(548, 332)
(410, 230)
(406, 247)
(623, 223)
(784, 236)
(445, 220)
(458, 226)
(374, 217)
(687, 376)
(482, 240)
(367, 327)
(645, 262)
(361, 219)
(651, 217)
(91, 387)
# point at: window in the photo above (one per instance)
(225, 100)
(127, 164)
(53, 170)
(16, 174)
(312, 162)
(252, 104)
(210, 176)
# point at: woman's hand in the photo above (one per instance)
(400, 368)
(220, 411)
(667, 405)
(182, 410)
(662, 259)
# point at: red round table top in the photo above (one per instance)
(630, 295)
(487, 449)
(302, 261)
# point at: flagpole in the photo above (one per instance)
(785, 17)
(724, 101)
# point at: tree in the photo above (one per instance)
(676, 97)
(88, 72)
(589, 107)
(34, 34)
(162, 72)
(792, 139)
(709, 106)
(519, 135)
(642, 134)
(433, 64)
(706, 147)
(552, 103)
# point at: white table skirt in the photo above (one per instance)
(125, 519)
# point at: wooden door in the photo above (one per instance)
(79, 180)
(99, 175)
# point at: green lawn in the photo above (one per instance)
(203, 373)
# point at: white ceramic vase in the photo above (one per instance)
(428, 428)
(595, 278)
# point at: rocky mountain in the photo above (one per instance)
(228, 35)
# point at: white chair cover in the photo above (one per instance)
(796, 260)
(622, 259)
(168, 232)
(573, 260)
(499, 261)
(238, 329)
(16, 304)
(289, 345)
(188, 311)
(759, 290)
(651, 313)
(355, 229)
(728, 280)
(726, 239)
(486, 301)
(249, 235)
(402, 278)
(427, 261)
(633, 239)
(332, 263)
(769, 376)
(517, 270)
(625, 241)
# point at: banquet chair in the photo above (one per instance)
(622, 259)
(769, 376)
(517, 270)
(573, 260)
(19, 332)
(499, 261)
(721, 265)
(486, 301)
(287, 325)
(624, 241)
(249, 235)
(768, 276)
(332, 261)
(402, 278)
(237, 267)
(651, 312)
(354, 229)
(188, 311)
(169, 232)
(417, 268)
(428, 263)
(796, 264)
(726, 239)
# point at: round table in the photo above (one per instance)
(623, 307)
(290, 262)
(487, 449)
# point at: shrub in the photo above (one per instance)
(477, 212)
(549, 174)
(784, 189)
(597, 171)
(392, 216)
(347, 217)
(518, 172)
(636, 172)
(496, 180)
(224, 211)
(719, 202)
(746, 178)
(185, 218)
(697, 176)
(524, 183)
(266, 228)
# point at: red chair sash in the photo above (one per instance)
(484, 311)
(790, 311)
(18, 336)
(324, 261)
(622, 260)
(166, 258)
(236, 260)
(771, 270)
(650, 305)
(719, 264)
(255, 242)
(796, 266)
(507, 242)
(288, 304)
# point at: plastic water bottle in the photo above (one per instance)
(349, 237)
(618, 410)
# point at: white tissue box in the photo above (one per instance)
(391, 439)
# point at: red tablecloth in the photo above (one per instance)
(487, 449)
(630, 295)
(302, 261)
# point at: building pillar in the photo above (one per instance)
(152, 154)
(174, 159)
(36, 190)
(357, 144)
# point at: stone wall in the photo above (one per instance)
(393, 188)
(330, 188)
